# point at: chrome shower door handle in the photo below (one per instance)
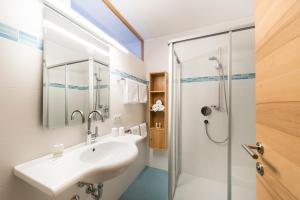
(258, 147)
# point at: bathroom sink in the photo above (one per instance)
(103, 160)
(112, 158)
(107, 151)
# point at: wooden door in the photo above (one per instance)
(278, 97)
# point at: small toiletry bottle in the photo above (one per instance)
(121, 131)
(114, 132)
(58, 150)
(156, 125)
(159, 125)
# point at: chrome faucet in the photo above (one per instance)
(91, 137)
(81, 114)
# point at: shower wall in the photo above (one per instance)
(201, 157)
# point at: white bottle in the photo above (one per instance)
(114, 132)
(121, 131)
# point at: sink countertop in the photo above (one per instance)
(54, 175)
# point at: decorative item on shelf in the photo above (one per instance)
(158, 125)
(158, 106)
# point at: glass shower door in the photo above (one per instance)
(199, 80)
(174, 118)
(243, 114)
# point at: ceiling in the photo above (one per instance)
(154, 18)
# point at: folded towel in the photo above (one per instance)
(130, 92)
(143, 128)
(161, 107)
(158, 102)
(158, 106)
(142, 93)
(155, 108)
(135, 130)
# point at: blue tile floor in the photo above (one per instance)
(151, 184)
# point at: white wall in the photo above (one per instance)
(156, 59)
(22, 135)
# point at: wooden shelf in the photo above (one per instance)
(158, 88)
(160, 129)
(157, 111)
(157, 91)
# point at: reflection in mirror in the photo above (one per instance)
(101, 89)
(76, 72)
(78, 91)
(56, 96)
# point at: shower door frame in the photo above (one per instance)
(172, 118)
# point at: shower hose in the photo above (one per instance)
(210, 138)
(221, 83)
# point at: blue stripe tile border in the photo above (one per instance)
(75, 87)
(27, 39)
(16, 35)
(216, 78)
(8, 32)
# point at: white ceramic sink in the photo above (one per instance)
(113, 157)
(94, 163)
(106, 151)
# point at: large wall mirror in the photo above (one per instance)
(76, 72)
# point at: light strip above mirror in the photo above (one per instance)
(69, 35)
(83, 23)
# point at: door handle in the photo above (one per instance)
(258, 147)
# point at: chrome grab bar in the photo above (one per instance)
(259, 147)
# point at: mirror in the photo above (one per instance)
(76, 72)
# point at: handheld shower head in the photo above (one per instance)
(97, 77)
(214, 58)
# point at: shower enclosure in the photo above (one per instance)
(212, 96)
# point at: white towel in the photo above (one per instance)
(143, 93)
(135, 130)
(130, 92)
(158, 106)
(143, 128)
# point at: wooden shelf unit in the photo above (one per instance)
(158, 90)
